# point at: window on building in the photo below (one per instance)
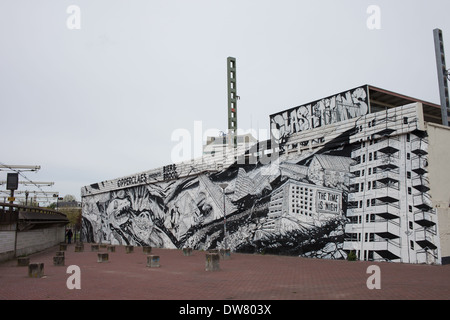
(408, 174)
(411, 244)
(410, 223)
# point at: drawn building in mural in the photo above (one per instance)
(296, 204)
(364, 170)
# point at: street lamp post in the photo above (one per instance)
(223, 186)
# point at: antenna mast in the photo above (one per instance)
(232, 102)
(442, 74)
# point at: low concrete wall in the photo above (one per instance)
(35, 240)
(7, 240)
(29, 241)
(26, 230)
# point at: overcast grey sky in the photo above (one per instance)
(102, 102)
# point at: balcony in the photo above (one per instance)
(387, 162)
(422, 202)
(387, 249)
(351, 212)
(386, 183)
(352, 245)
(385, 210)
(389, 146)
(383, 228)
(387, 176)
(425, 238)
(419, 170)
(352, 228)
(425, 218)
(386, 229)
(389, 194)
(419, 147)
(385, 132)
(419, 164)
(421, 184)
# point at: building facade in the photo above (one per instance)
(390, 209)
(364, 171)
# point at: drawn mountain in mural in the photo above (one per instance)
(243, 185)
(330, 171)
(184, 213)
(294, 171)
(214, 197)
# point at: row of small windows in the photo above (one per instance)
(300, 202)
(372, 123)
(370, 185)
(371, 218)
(359, 187)
(302, 212)
(370, 237)
(358, 219)
(302, 190)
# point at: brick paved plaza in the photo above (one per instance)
(243, 277)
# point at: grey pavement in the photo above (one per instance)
(243, 277)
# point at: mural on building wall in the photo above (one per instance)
(364, 190)
(347, 105)
(297, 209)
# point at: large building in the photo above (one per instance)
(364, 170)
(390, 205)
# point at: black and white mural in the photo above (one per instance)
(295, 207)
(346, 105)
(362, 189)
